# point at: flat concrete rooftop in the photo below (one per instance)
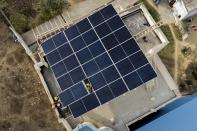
(130, 106)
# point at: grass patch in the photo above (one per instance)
(167, 53)
(177, 32)
(25, 15)
(152, 10)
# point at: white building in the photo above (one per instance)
(184, 9)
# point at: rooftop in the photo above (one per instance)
(144, 99)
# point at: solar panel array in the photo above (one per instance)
(99, 49)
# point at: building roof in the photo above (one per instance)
(190, 4)
(181, 116)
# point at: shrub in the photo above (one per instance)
(177, 32)
(20, 22)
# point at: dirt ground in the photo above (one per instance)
(24, 106)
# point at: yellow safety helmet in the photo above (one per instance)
(53, 106)
(56, 98)
(58, 104)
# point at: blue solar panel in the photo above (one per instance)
(90, 37)
(65, 50)
(118, 87)
(59, 69)
(110, 41)
(65, 81)
(133, 80)
(67, 96)
(59, 39)
(53, 57)
(115, 23)
(130, 47)
(48, 46)
(125, 67)
(103, 30)
(97, 81)
(96, 18)
(79, 91)
(117, 54)
(122, 34)
(98, 50)
(147, 73)
(105, 94)
(90, 68)
(72, 32)
(71, 62)
(103, 61)
(77, 75)
(77, 108)
(84, 55)
(108, 12)
(138, 59)
(77, 43)
(90, 102)
(108, 74)
(83, 25)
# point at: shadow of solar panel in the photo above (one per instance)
(59, 39)
(105, 94)
(90, 102)
(78, 90)
(66, 97)
(147, 73)
(77, 108)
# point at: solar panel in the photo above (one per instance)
(95, 61)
